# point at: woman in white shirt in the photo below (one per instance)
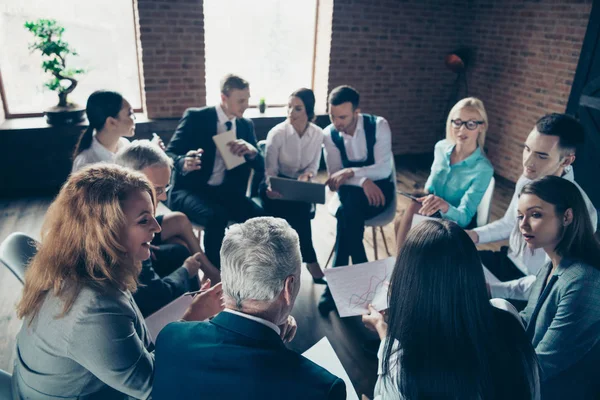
(111, 119)
(443, 338)
(294, 151)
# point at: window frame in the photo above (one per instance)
(136, 29)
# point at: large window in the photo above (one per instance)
(271, 43)
(102, 32)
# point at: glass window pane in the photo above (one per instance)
(270, 43)
(101, 31)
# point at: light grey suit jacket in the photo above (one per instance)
(563, 322)
(98, 350)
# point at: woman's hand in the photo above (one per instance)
(375, 322)
(205, 304)
(273, 195)
(305, 177)
(431, 203)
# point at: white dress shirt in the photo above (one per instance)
(218, 173)
(97, 153)
(527, 261)
(291, 155)
(356, 150)
(255, 319)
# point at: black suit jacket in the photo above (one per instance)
(195, 130)
(232, 357)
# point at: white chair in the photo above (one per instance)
(485, 205)
(378, 221)
(16, 251)
(5, 385)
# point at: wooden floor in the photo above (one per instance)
(346, 335)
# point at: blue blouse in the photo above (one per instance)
(462, 185)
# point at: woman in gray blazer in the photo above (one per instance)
(83, 336)
(563, 312)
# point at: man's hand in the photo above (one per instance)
(473, 235)
(192, 160)
(431, 203)
(375, 322)
(339, 178)
(373, 193)
(305, 177)
(288, 329)
(210, 272)
(205, 304)
(158, 141)
(242, 148)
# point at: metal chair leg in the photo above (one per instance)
(375, 242)
(385, 242)
(329, 258)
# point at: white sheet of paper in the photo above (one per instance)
(323, 355)
(418, 218)
(355, 286)
(489, 277)
(221, 140)
(170, 313)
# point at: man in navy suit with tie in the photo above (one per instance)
(240, 354)
(203, 188)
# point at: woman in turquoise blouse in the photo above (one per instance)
(460, 173)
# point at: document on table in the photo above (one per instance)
(292, 189)
(170, 313)
(221, 140)
(356, 286)
(323, 355)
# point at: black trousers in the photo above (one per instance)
(351, 216)
(298, 215)
(213, 208)
(169, 256)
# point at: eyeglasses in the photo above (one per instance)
(470, 124)
(161, 190)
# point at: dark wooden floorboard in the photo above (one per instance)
(346, 335)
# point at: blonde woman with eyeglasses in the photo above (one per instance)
(460, 173)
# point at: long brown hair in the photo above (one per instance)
(81, 239)
(578, 241)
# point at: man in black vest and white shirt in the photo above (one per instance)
(358, 152)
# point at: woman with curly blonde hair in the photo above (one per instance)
(83, 335)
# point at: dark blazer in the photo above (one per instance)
(232, 357)
(195, 130)
(563, 322)
(156, 292)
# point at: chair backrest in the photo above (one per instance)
(16, 251)
(485, 206)
(5, 385)
(387, 215)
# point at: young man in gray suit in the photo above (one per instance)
(241, 353)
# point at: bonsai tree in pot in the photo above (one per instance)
(48, 40)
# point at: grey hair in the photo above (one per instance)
(257, 257)
(141, 154)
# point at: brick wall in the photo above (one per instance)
(526, 53)
(393, 53)
(172, 41)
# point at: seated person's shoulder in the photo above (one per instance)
(583, 274)
(443, 145)
(180, 334)
(103, 302)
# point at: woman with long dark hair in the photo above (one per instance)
(443, 338)
(563, 311)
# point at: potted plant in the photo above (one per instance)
(48, 40)
(262, 105)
